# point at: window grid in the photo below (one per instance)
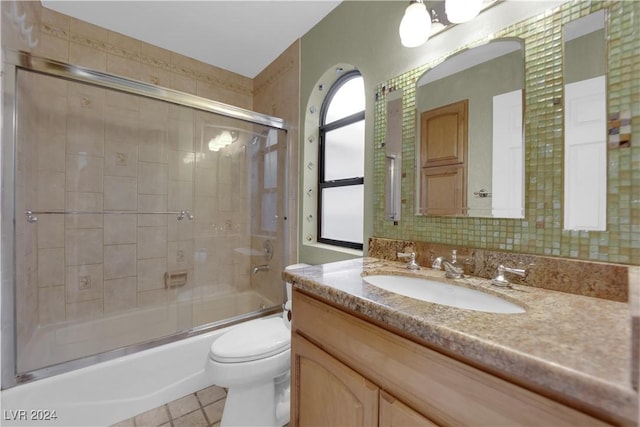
(345, 182)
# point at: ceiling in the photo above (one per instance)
(241, 36)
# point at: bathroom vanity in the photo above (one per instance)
(365, 356)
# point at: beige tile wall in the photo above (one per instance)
(27, 249)
(97, 150)
(70, 40)
(147, 163)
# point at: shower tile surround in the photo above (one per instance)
(116, 259)
(540, 233)
(146, 175)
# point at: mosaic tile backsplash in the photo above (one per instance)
(541, 231)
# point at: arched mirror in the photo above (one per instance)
(470, 139)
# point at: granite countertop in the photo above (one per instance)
(568, 345)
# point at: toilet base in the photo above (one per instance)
(251, 405)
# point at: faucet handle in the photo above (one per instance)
(519, 271)
(412, 264)
(502, 281)
(411, 255)
(453, 271)
(437, 263)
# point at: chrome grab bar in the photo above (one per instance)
(32, 218)
(391, 188)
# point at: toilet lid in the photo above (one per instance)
(252, 340)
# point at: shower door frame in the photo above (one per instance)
(13, 62)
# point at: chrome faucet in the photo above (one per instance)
(411, 264)
(452, 271)
(502, 281)
(263, 267)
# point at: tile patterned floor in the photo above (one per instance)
(200, 409)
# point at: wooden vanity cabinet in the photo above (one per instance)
(394, 413)
(347, 371)
(329, 393)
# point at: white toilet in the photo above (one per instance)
(252, 360)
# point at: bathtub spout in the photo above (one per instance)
(263, 267)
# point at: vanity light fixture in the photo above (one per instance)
(436, 25)
(460, 11)
(415, 26)
(421, 21)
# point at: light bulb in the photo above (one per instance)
(415, 26)
(220, 141)
(460, 11)
(226, 138)
(214, 144)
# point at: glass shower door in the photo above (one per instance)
(146, 219)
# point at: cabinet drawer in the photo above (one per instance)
(445, 390)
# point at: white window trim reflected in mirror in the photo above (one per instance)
(585, 124)
(311, 163)
(585, 157)
(268, 145)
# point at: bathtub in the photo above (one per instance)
(60, 342)
(110, 391)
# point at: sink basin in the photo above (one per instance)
(443, 293)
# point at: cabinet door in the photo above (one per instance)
(327, 393)
(443, 135)
(443, 190)
(394, 413)
(450, 392)
(443, 160)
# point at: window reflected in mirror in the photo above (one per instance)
(585, 123)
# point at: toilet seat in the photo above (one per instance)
(252, 340)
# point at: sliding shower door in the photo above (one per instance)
(136, 219)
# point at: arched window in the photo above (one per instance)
(341, 163)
